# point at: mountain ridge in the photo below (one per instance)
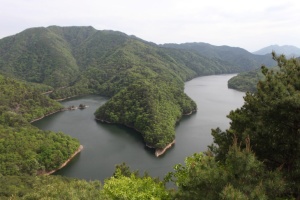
(234, 56)
(288, 50)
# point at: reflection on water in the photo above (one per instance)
(106, 145)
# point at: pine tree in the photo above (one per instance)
(271, 119)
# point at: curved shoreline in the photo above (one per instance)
(193, 111)
(159, 152)
(60, 110)
(65, 98)
(65, 163)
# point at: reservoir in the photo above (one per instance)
(106, 145)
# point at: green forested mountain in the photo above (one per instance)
(38, 55)
(59, 56)
(231, 56)
(82, 60)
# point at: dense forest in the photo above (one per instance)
(24, 149)
(82, 60)
(246, 81)
(230, 56)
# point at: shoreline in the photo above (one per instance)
(186, 114)
(48, 92)
(102, 120)
(60, 110)
(159, 152)
(34, 120)
(65, 98)
(65, 163)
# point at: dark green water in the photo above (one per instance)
(106, 145)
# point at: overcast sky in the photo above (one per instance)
(251, 25)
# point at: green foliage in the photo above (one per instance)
(23, 148)
(241, 176)
(133, 187)
(151, 107)
(26, 150)
(38, 55)
(25, 100)
(229, 57)
(271, 119)
(48, 187)
(247, 81)
(124, 170)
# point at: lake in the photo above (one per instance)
(106, 145)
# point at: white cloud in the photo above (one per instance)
(248, 24)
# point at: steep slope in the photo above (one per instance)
(38, 55)
(287, 50)
(232, 56)
(20, 98)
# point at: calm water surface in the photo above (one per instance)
(106, 145)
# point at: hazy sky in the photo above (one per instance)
(248, 24)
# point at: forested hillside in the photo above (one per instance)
(82, 60)
(247, 81)
(236, 57)
(24, 149)
(25, 99)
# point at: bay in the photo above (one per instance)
(106, 145)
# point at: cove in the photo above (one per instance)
(106, 145)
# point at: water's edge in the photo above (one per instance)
(106, 145)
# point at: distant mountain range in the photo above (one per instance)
(232, 56)
(288, 50)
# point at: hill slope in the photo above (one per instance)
(231, 56)
(24, 149)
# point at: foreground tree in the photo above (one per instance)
(271, 119)
(241, 176)
(131, 186)
(48, 187)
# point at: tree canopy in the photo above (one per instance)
(24, 149)
(240, 176)
(270, 118)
